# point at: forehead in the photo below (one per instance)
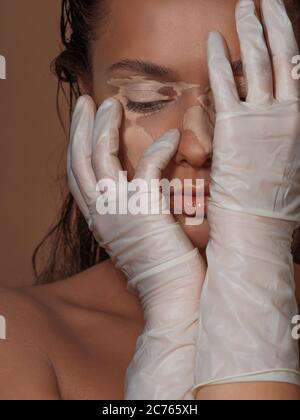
(171, 33)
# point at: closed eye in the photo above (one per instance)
(146, 107)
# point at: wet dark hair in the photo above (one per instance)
(70, 247)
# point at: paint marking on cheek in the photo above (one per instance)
(198, 119)
(136, 141)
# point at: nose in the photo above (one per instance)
(191, 152)
(197, 130)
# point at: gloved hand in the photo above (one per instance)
(152, 250)
(248, 298)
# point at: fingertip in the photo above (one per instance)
(214, 36)
(109, 103)
(172, 135)
(158, 155)
(110, 111)
(84, 101)
(169, 140)
(79, 105)
(216, 46)
(214, 39)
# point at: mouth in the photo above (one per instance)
(191, 201)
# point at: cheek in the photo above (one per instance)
(134, 142)
(138, 133)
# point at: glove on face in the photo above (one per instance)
(152, 251)
(248, 300)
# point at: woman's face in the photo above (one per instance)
(164, 43)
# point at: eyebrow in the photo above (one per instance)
(143, 67)
(152, 69)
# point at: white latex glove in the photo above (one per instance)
(153, 252)
(248, 299)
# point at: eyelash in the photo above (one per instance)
(146, 107)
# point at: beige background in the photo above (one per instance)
(32, 141)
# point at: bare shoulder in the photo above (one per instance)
(19, 306)
(24, 364)
(44, 325)
(35, 314)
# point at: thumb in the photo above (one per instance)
(157, 156)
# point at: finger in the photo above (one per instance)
(255, 55)
(157, 156)
(105, 159)
(76, 193)
(79, 153)
(74, 188)
(283, 46)
(221, 74)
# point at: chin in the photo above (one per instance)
(199, 234)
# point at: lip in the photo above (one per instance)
(193, 198)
